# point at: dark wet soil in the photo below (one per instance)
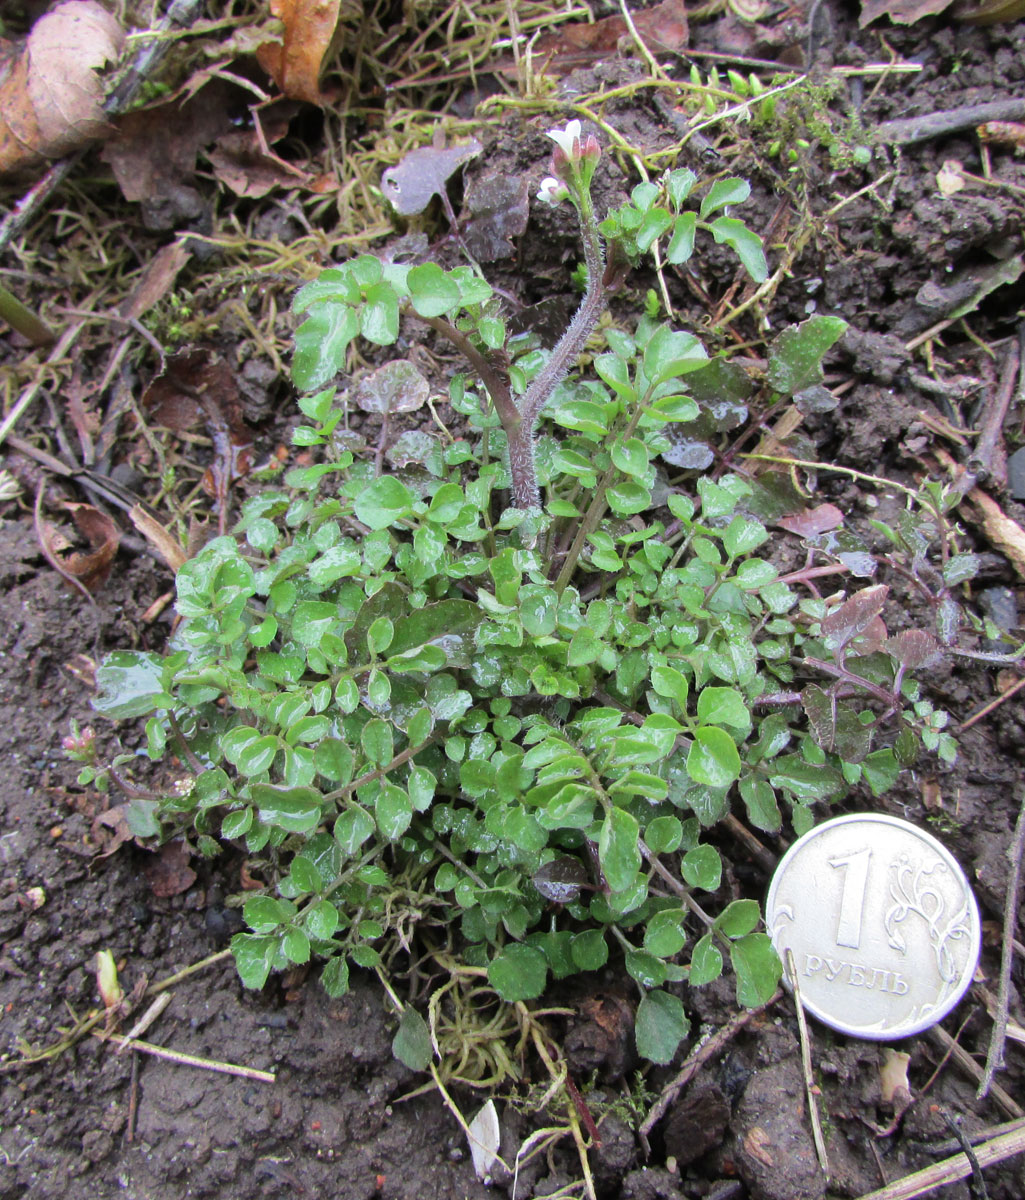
(91, 1123)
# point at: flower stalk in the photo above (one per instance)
(573, 163)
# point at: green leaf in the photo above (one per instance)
(296, 809)
(394, 811)
(723, 192)
(745, 243)
(760, 801)
(758, 969)
(681, 244)
(648, 970)
(518, 973)
(258, 755)
(660, 1026)
(255, 957)
(235, 824)
(743, 535)
(705, 962)
(383, 502)
(618, 851)
(669, 682)
(334, 760)
(589, 950)
(411, 1044)
(670, 352)
(296, 946)
(322, 921)
(131, 684)
(738, 918)
(656, 221)
(795, 357)
(663, 835)
(431, 290)
(680, 184)
(352, 829)
(713, 758)
(702, 868)
(723, 706)
(379, 317)
(664, 934)
(335, 978)
(631, 457)
(377, 741)
(320, 344)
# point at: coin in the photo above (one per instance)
(881, 922)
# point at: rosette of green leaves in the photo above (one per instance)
(656, 211)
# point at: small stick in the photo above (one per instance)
(924, 1183)
(133, 1100)
(809, 1079)
(185, 972)
(995, 1054)
(191, 1060)
(921, 129)
(986, 709)
(939, 1036)
(145, 1021)
(697, 1060)
(987, 459)
(762, 854)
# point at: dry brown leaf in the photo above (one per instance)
(153, 156)
(165, 544)
(168, 873)
(88, 569)
(52, 101)
(663, 29)
(156, 280)
(294, 63)
(1004, 534)
(820, 519)
(242, 164)
(900, 12)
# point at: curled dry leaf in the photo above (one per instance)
(396, 387)
(52, 101)
(295, 62)
(89, 567)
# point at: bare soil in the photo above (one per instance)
(334, 1124)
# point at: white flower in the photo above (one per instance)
(552, 191)
(568, 139)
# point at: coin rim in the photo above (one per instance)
(955, 998)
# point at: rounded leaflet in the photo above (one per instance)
(881, 922)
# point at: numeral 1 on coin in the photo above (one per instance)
(852, 902)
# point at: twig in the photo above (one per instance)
(939, 1036)
(923, 1183)
(978, 1188)
(185, 972)
(988, 459)
(920, 129)
(995, 1054)
(986, 709)
(190, 1060)
(710, 1049)
(809, 1078)
(146, 1020)
(133, 1100)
